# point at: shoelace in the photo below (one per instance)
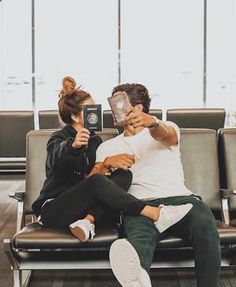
(92, 230)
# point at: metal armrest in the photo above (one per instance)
(227, 192)
(18, 195)
(7, 243)
(225, 195)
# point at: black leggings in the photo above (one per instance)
(94, 195)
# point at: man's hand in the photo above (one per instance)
(123, 161)
(137, 118)
(82, 138)
(100, 169)
(166, 134)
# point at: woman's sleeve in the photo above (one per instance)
(61, 154)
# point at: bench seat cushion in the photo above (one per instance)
(227, 233)
(34, 236)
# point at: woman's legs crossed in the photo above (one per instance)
(94, 195)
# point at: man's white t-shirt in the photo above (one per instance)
(157, 171)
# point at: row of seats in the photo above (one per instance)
(184, 118)
(14, 126)
(34, 247)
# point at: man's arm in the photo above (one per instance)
(158, 130)
(163, 133)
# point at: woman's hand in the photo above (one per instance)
(100, 169)
(82, 138)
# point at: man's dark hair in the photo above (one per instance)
(71, 104)
(137, 94)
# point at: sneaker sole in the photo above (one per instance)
(78, 233)
(125, 263)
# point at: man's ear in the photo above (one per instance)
(139, 107)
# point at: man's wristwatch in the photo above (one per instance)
(155, 124)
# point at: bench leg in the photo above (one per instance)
(21, 278)
(17, 277)
(225, 210)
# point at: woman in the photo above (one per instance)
(76, 193)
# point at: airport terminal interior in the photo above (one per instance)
(183, 52)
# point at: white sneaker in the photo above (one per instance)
(126, 265)
(171, 214)
(83, 229)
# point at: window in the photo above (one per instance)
(162, 47)
(78, 38)
(15, 57)
(221, 56)
(159, 44)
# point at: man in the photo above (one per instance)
(157, 179)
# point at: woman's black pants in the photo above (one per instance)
(95, 195)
